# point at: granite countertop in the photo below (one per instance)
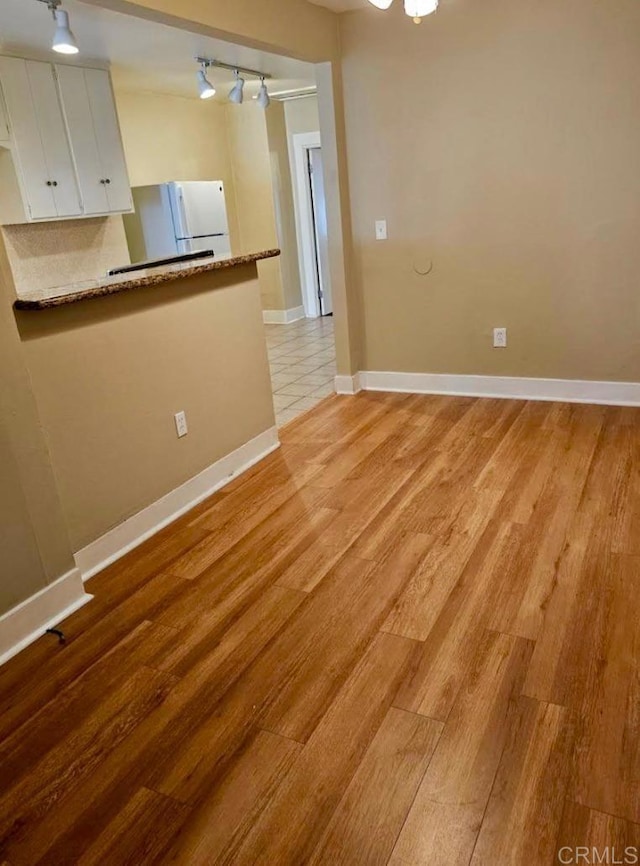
(43, 299)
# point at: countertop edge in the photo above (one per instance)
(132, 282)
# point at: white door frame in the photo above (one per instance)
(302, 142)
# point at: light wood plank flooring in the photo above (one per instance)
(410, 636)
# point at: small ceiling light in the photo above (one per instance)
(205, 87)
(263, 95)
(419, 9)
(64, 42)
(236, 94)
(381, 4)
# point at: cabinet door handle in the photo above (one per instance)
(52, 183)
(108, 180)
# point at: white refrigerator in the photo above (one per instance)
(178, 217)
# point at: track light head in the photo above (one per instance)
(205, 87)
(263, 95)
(64, 42)
(236, 94)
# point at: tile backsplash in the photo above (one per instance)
(51, 254)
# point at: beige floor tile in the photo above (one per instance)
(321, 392)
(279, 380)
(315, 379)
(302, 364)
(296, 390)
(283, 401)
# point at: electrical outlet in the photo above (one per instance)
(381, 230)
(499, 338)
(181, 424)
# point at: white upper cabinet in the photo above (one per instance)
(105, 123)
(89, 109)
(66, 157)
(39, 139)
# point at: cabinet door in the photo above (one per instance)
(77, 112)
(27, 143)
(107, 129)
(57, 153)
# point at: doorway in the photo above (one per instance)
(311, 220)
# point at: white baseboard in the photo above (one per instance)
(508, 387)
(29, 620)
(348, 384)
(282, 317)
(141, 526)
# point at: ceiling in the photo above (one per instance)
(341, 5)
(142, 54)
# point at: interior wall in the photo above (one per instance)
(503, 148)
(302, 115)
(282, 192)
(34, 545)
(193, 144)
(294, 27)
(253, 184)
(146, 355)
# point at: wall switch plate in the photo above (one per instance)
(181, 424)
(381, 230)
(499, 338)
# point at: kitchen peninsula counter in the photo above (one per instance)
(44, 299)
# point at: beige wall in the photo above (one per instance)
(145, 355)
(294, 27)
(193, 144)
(282, 193)
(502, 146)
(302, 115)
(34, 545)
(253, 184)
(45, 255)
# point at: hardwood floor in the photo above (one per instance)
(410, 636)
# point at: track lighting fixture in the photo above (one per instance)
(236, 94)
(416, 9)
(64, 42)
(205, 87)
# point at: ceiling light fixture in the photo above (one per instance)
(236, 94)
(416, 9)
(205, 87)
(419, 9)
(64, 42)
